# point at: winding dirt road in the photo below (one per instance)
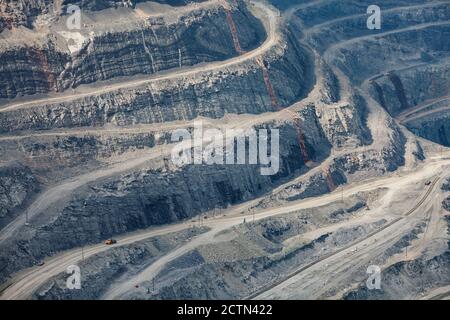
(65, 188)
(295, 284)
(26, 282)
(272, 39)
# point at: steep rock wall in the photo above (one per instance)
(140, 48)
(410, 87)
(17, 186)
(393, 19)
(360, 60)
(213, 94)
(155, 194)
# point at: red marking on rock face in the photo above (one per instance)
(233, 30)
(301, 141)
(45, 67)
(300, 137)
(329, 179)
(268, 84)
(276, 106)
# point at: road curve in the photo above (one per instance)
(272, 39)
(330, 51)
(151, 271)
(421, 111)
(26, 282)
(64, 189)
(260, 292)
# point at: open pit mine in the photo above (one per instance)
(224, 149)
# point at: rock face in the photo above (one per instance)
(30, 70)
(22, 12)
(404, 44)
(435, 127)
(446, 204)
(146, 49)
(135, 47)
(406, 280)
(253, 255)
(413, 86)
(255, 262)
(97, 134)
(100, 270)
(394, 19)
(42, 154)
(153, 195)
(208, 94)
(17, 186)
(422, 93)
(95, 5)
(409, 279)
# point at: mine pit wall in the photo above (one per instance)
(151, 196)
(18, 185)
(21, 13)
(435, 127)
(399, 18)
(342, 170)
(154, 195)
(50, 153)
(329, 10)
(100, 270)
(265, 237)
(360, 61)
(202, 36)
(256, 261)
(375, 162)
(207, 95)
(410, 279)
(345, 168)
(346, 123)
(30, 70)
(24, 13)
(330, 89)
(96, 5)
(45, 154)
(403, 89)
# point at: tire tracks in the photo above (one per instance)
(308, 266)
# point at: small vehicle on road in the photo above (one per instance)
(428, 183)
(40, 263)
(110, 242)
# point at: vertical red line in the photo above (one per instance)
(329, 179)
(43, 62)
(268, 84)
(233, 30)
(300, 137)
(301, 142)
